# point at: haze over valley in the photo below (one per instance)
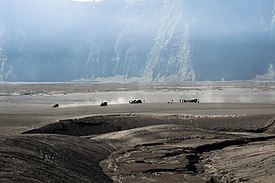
(139, 40)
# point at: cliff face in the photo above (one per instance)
(152, 41)
(272, 34)
(146, 39)
(2, 55)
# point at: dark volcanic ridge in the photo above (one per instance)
(110, 123)
(142, 148)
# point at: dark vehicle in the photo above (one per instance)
(135, 101)
(55, 106)
(104, 104)
(194, 100)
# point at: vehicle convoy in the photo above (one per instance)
(193, 100)
(103, 104)
(138, 101)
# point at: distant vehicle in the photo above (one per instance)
(55, 106)
(193, 100)
(138, 101)
(103, 104)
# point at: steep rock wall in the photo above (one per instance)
(148, 40)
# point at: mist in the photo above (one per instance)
(47, 40)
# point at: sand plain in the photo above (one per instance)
(224, 138)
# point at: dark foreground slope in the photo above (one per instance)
(159, 153)
(143, 148)
(50, 158)
(175, 153)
